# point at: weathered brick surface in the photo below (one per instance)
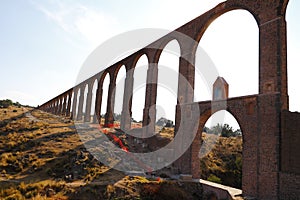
(290, 142)
(289, 186)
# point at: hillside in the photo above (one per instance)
(220, 157)
(221, 160)
(42, 157)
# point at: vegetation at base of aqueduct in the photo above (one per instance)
(42, 157)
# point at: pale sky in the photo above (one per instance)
(43, 44)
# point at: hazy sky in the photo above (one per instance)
(43, 44)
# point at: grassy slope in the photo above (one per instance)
(42, 157)
(222, 160)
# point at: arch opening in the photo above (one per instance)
(65, 105)
(93, 102)
(85, 93)
(232, 44)
(139, 91)
(119, 94)
(167, 88)
(105, 87)
(72, 102)
(57, 107)
(221, 150)
(77, 103)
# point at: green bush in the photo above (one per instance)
(214, 178)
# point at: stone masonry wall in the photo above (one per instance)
(290, 154)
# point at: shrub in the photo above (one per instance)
(214, 178)
(224, 130)
(5, 103)
(17, 104)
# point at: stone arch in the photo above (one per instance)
(168, 64)
(71, 99)
(59, 105)
(141, 66)
(64, 104)
(240, 64)
(77, 103)
(94, 84)
(104, 82)
(239, 109)
(55, 104)
(74, 103)
(217, 12)
(119, 90)
(160, 45)
(99, 95)
(89, 98)
(103, 76)
(270, 17)
(114, 70)
(83, 99)
(222, 117)
(133, 80)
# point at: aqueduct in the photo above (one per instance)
(270, 166)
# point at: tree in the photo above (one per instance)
(117, 117)
(5, 103)
(17, 104)
(164, 122)
(224, 130)
(238, 132)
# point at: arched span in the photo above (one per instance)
(116, 69)
(78, 91)
(230, 45)
(167, 88)
(137, 57)
(270, 18)
(175, 37)
(71, 99)
(85, 89)
(230, 142)
(94, 84)
(208, 113)
(102, 76)
(245, 112)
(220, 10)
(139, 87)
(119, 92)
(104, 85)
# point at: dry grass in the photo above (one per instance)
(47, 189)
(167, 133)
(222, 159)
(38, 147)
(43, 157)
